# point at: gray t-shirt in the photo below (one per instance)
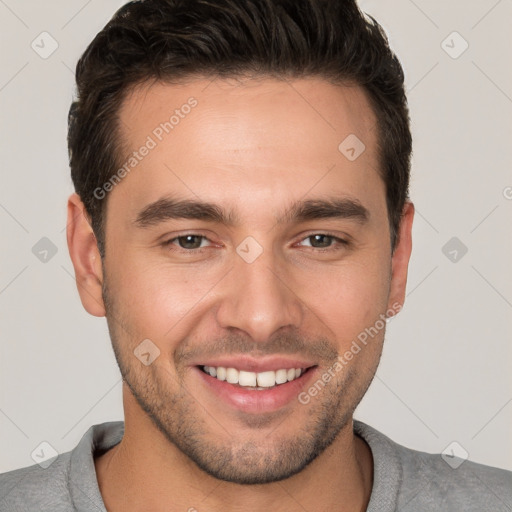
(404, 480)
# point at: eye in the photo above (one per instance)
(324, 241)
(192, 242)
(189, 241)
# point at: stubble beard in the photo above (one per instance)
(219, 449)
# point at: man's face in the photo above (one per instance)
(274, 282)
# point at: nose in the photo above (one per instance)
(259, 299)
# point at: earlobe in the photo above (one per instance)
(84, 253)
(400, 259)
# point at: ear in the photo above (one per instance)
(400, 259)
(85, 256)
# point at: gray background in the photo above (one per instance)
(445, 372)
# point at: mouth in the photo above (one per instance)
(258, 381)
(255, 392)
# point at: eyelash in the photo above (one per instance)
(340, 243)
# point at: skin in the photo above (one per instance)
(253, 145)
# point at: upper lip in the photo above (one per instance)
(261, 364)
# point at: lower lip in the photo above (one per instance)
(254, 400)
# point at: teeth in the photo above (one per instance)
(232, 375)
(281, 376)
(261, 380)
(267, 379)
(246, 378)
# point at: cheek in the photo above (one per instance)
(351, 299)
(155, 298)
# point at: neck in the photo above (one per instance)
(146, 471)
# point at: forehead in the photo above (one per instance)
(211, 137)
(250, 103)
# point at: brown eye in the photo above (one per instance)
(189, 241)
(321, 241)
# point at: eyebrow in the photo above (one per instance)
(168, 208)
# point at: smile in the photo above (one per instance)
(254, 380)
